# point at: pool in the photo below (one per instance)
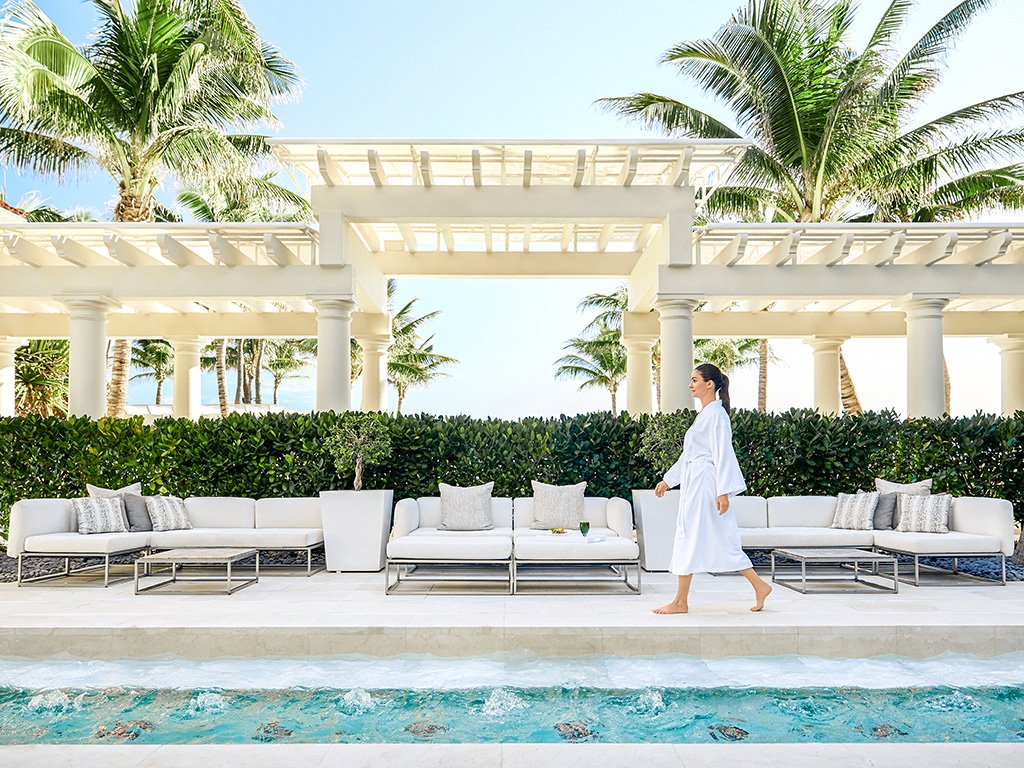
(670, 699)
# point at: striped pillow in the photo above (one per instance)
(100, 515)
(924, 514)
(856, 511)
(167, 513)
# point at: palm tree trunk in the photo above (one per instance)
(401, 397)
(614, 409)
(240, 364)
(118, 394)
(257, 365)
(847, 392)
(1017, 557)
(656, 359)
(945, 383)
(762, 376)
(221, 366)
(159, 391)
(277, 383)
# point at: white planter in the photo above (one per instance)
(356, 528)
(655, 527)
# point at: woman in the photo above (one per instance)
(707, 537)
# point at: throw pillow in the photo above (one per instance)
(885, 511)
(921, 488)
(466, 509)
(557, 506)
(167, 513)
(924, 514)
(99, 515)
(95, 492)
(855, 511)
(137, 513)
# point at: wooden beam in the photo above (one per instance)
(606, 235)
(227, 253)
(80, 255)
(581, 167)
(935, 250)
(426, 174)
(985, 252)
(126, 253)
(628, 172)
(833, 253)
(278, 252)
(643, 237)
(376, 169)
(29, 253)
(477, 170)
(566, 237)
(448, 237)
(527, 167)
(488, 238)
(408, 236)
(329, 170)
(179, 254)
(885, 252)
(733, 251)
(784, 252)
(527, 231)
(680, 173)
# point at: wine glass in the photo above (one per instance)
(584, 527)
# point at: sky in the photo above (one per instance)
(532, 69)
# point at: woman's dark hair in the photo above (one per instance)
(711, 373)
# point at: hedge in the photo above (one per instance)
(798, 452)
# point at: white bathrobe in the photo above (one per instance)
(705, 540)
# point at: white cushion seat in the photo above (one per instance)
(526, 533)
(799, 536)
(93, 543)
(254, 538)
(448, 548)
(938, 543)
(433, 531)
(615, 548)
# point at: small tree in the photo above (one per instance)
(361, 439)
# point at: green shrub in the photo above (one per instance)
(798, 452)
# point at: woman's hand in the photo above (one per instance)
(723, 504)
(660, 488)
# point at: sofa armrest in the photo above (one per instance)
(988, 517)
(620, 517)
(34, 517)
(407, 518)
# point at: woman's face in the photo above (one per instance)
(700, 388)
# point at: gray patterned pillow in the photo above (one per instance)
(95, 492)
(167, 513)
(856, 511)
(924, 514)
(885, 511)
(99, 515)
(557, 506)
(466, 509)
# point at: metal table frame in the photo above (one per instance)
(163, 559)
(854, 557)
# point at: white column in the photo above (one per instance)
(639, 398)
(375, 373)
(826, 372)
(7, 346)
(676, 317)
(334, 362)
(1012, 358)
(926, 396)
(87, 377)
(188, 377)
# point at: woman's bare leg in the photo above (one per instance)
(761, 588)
(682, 592)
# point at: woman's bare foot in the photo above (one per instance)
(761, 592)
(672, 607)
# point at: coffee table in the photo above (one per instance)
(205, 558)
(846, 561)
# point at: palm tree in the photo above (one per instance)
(154, 359)
(599, 361)
(286, 357)
(154, 92)
(833, 130)
(251, 198)
(41, 378)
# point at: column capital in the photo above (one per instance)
(639, 343)
(374, 342)
(825, 343)
(87, 304)
(186, 343)
(336, 306)
(926, 304)
(1010, 342)
(674, 305)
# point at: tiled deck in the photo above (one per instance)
(332, 614)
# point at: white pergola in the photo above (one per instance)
(498, 209)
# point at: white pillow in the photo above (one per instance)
(95, 492)
(924, 514)
(466, 509)
(557, 506)
(856, 511)
(100, 515)
(167, 513)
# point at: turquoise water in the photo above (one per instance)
(564, 713)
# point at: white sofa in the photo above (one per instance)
(417, 542)
(978, 527)
(47, 528)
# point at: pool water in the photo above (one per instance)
(509, 698)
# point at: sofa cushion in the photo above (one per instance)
(167, 513)
(801, 511)
(594, 532)
(554, 549)
(920, 488)
(221, 512)
(429, 511)
(296, 512)
(938, 543)
(256, 538)
(750, 511)
(95, 492)
(885, 511)
(429, 531)
(855, 511)
(595, 512)
(466, 509)
(557, 506)
(97, 543)
(97, 515)
(450, 548)
(924, 514)
(972, 514)
(797, 536)
(137, 512)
